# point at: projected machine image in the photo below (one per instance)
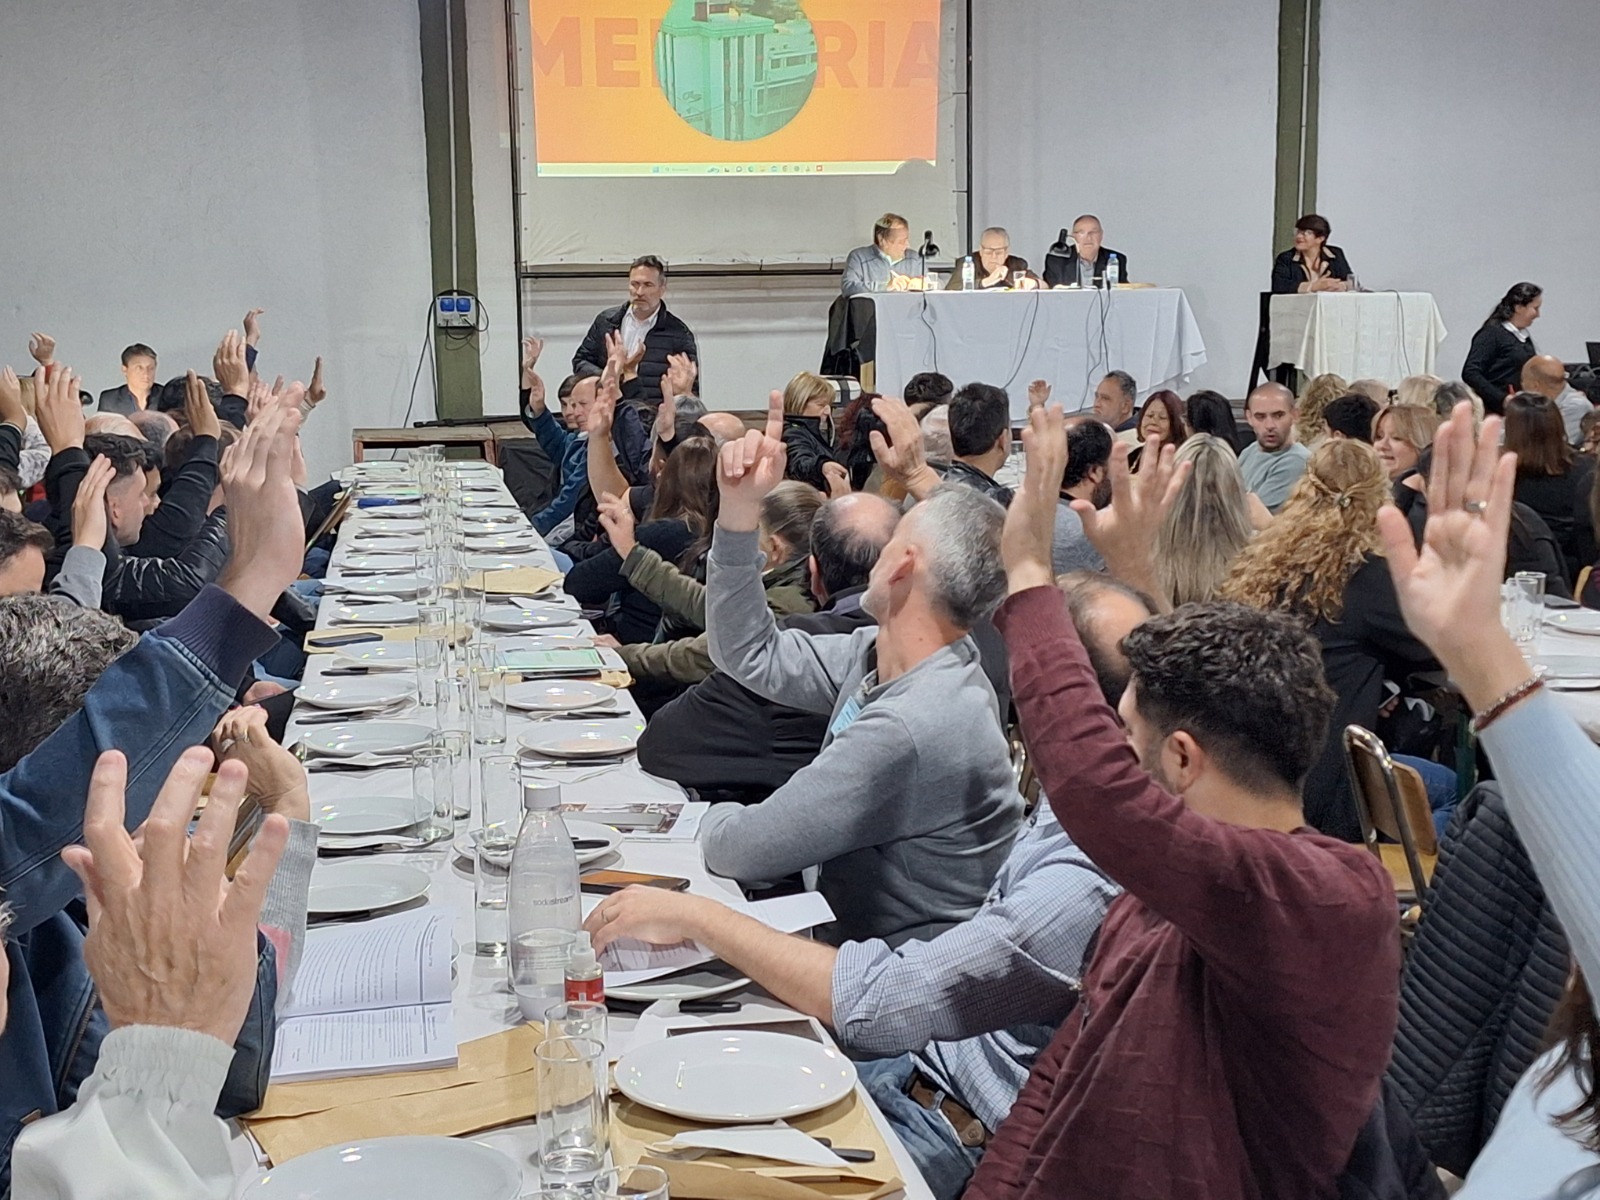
(736, 71)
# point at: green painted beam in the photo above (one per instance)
(1295, 186)
(452, 227)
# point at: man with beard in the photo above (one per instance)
(1087, 477)
(910, 807)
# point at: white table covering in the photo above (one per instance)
(1357, 335)
(1584, 706)
(483, 1002)
(1069, 337)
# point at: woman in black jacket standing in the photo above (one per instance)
(1499, 349)
(808, 433)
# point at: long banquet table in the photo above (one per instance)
(1068, 336)
(483, 1003)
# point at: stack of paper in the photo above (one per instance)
(370, 997)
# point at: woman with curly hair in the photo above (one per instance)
(1319, 560)
(1309, 427)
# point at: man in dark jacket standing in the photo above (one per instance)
(650, 334)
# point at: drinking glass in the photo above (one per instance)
(576, 1019)
(573, 1143)
(639, 1182)
(489, 707)
(1529, 610)
(455, 743)
(432, 780)
(429, 646)
(499, 799)
(1018, 279)
(452, 702)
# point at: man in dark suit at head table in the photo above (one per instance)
(994, 266)
(1079, 258)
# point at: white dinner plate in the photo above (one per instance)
(554, 640)
(374, 614)
(395, 560)
(506, 617)
(400, 543)
(735, 1076)
(485, 500)
(395, 525)
(557, 695)
(466, 841)
(1568, 667)
(379, 656)
(347, 738)
(394, 512)
(490, 525)
(696, 983)
(365, 814)
(393, 1168)
(1575, 620)
(579, 739)
(357, 692)
(499, 562)
(382, 585)
(512, 540)
(352, 887)
(405, 492)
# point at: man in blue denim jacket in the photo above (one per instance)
(154, 702)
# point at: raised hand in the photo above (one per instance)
(228, 365)
(11, 410)
(1124, 532)
(681, 375)
(316, 391)
(616, 516)
(1038, 394)
(603, 413)
(532, 348)
(57, 407)
(1026, 541)
(264, 522)
(258, 398)
(837, 478)
(1449, 590)
(615, 357)
(197, 407)
(89, 505)
(901, 454)
(252, 327)
(666, 423)
(171, 941)
(42, 348)
(277, 781)
(750, 467)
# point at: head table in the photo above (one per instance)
(482, 1001)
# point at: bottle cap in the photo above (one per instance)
(540, 795)
(582, 959)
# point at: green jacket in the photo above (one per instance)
(688, 660)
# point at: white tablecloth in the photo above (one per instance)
(483, 1002)
(1069, 338)
(1359, 335)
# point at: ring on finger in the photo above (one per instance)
(1476, 507)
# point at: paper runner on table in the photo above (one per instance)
(369, 997)
(635, 1129)
(495, 1084)
(515, 581)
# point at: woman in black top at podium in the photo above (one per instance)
(1312, 265)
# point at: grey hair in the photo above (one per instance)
(1206, 527)
(689, 406)
(959, 527)
(1000, 229)
(1452, 393)
(51, 652)
(1130, 389)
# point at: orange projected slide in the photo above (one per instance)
(734, 87)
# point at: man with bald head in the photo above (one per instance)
(1547, 375)
(1274, 463)
(732, 744)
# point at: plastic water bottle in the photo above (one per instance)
(1113, 272)
(969, 274)
(542, 908)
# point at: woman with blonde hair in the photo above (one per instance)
(1401, 433)
(1418, 391)
(1206, 527)
(1319, 560)
(808, 434)
(1309, 426)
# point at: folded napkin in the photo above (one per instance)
(635, 1129)
(493, 1084)
(387, 633)
(515, 581)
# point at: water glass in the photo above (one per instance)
(454, 743)
(638, 1182)
(489, 707)
(432, 790)
(573, 1142)
(1522, 606)
(491, 892)
(452, 703)
(499, 799)
(577, 1019)
(429, 646)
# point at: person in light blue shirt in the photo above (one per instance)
(885, 266)
(1273, 464)
(962, 1015)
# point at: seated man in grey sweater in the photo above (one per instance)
(966, 1013)
(909, 808)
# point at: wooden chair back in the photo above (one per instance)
(1392, 801)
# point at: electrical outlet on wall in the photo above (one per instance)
(455, 312)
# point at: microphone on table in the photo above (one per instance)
(929, 250)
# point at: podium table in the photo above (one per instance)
(1358, 335)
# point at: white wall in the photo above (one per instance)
(1159, 116)
(169, 165)
(1458, 156)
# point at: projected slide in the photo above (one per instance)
(734, 87)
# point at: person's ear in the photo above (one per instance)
(1183, 761)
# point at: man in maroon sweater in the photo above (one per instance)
(1239, 1008)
